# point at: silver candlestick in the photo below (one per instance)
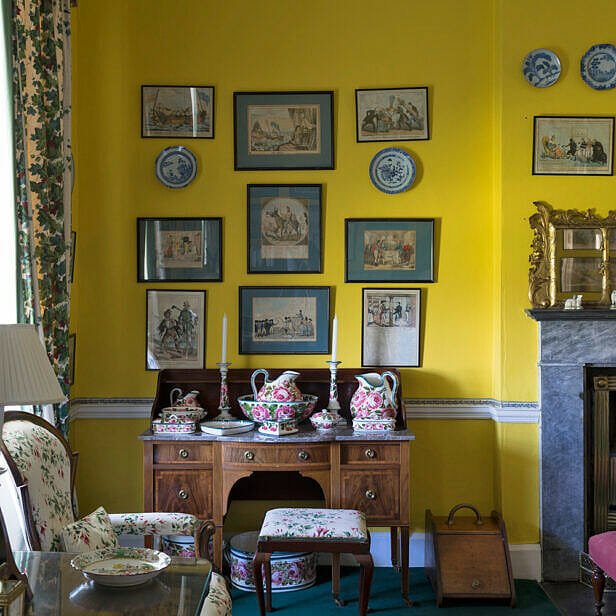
(333, 406)
(223, 406)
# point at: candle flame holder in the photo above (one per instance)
(223, 406)
(333, 405)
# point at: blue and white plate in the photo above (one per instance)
(392, 170)
(541, 68)
(598, 67)
(176, 166)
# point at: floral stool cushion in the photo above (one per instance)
(93, 532)
(218, 601)
(303, 524)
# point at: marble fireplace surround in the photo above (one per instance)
(569, 341)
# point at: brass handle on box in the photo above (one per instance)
(371, 494)
(249, 455)
(370, 453)
(183, 453)
(303, 455)
(183, 494)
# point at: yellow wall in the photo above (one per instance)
(474, 179)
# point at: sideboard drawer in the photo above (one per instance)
(183, 492)
(370, 452)
(182, 453)
(375, 492)
(248, 453)
(303, 454)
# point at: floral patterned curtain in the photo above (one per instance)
(41, 90)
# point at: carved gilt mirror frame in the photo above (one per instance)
(573, 253)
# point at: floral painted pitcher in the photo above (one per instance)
(374, 398)
(282, 389)
(191, 399)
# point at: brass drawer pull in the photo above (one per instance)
(249, 455)
(183, 453)
(475, 584)
(370, 454)
(370, 494)
(303, 455)
(183, 494)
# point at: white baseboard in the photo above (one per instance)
(525, 558)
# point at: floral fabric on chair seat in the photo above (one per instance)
(154, 523)
(218, 600)
(44, 463)
(93, 532)
(307, 524)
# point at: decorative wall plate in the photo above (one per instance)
(541, 68)
(598, 67)
(121, 566)
(392, 170)
(176, 166)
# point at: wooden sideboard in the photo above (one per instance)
(201, 474)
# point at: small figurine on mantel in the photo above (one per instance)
(575, 303)
(613, 298)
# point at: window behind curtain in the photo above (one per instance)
(8, 291)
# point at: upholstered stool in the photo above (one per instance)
(335, 531)
(602, 551)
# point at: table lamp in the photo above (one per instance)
(26, 375)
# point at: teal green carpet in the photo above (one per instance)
(385, 598)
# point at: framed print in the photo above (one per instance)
(175, 329)
(179, 249)
(392, 114)
(177, 111)
(390, 327)
(72, 343)
(284, 130)
(284, 320)
(570, 145)
(389, 249)
(284, 228)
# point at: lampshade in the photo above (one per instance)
(26, 375)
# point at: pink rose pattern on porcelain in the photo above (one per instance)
(277, 411)
(323, 420)
(282, 389)
(374, 425)
(162, 427)
(372, 401)
(287, 573)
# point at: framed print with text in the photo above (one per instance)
(284, 130)
(179, 249)
(284, 228)
(390, 327)
(389, 249)
(284, 320)
(175, 329)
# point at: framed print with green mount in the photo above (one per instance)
(573, 145)
(177, 111)
(391, 327)
(284, 320)
(391, 114)
(179, 249)
(284, 228)
(389, 249)
(175, 329)
(283, 130)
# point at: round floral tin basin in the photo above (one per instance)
(290, 571)
(121, 566)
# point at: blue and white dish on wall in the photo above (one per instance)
(392, 170)
(176, 166)
(541, 68)
(598, 67)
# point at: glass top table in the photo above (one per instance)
(57, 589)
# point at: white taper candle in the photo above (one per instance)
(223, 353)
(335, 338)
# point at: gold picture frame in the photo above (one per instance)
(573, 253)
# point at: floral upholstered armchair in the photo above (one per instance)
(43, 468)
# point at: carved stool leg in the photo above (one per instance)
(257, 570)
(598, 586)
(267, 565)
(336, 579)
(365, 580)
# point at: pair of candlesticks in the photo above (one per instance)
(333, 406)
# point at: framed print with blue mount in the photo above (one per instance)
(391, 114)
(284, 320)
(284, 228)
(177, 111)
(389, 249)
(179, 249)
(283, 130)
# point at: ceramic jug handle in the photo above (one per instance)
(394, 387)
(253, 378)
(175, 390)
